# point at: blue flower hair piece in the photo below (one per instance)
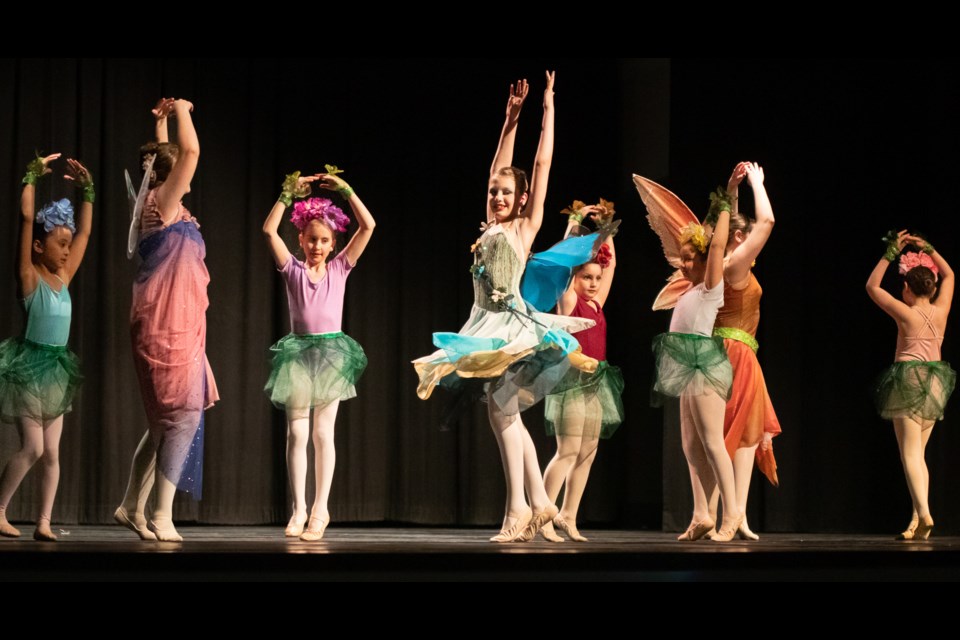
(57, 214)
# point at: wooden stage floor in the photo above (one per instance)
(395, 553)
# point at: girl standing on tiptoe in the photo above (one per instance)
(914, 391)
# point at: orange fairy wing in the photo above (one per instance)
(667, 214)
(677, 285)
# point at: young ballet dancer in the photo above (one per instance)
(39, 375)
(168, 327)
(519, 352)
(316, 365)
(585, 406)
(750, 423)
(914, 391)
(690, 363)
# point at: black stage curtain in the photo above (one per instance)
(416, 138)
(851, 149)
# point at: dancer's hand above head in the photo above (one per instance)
(754, 174)
(518, 94)
(548, 92)
(737, 176)
(163, 108)
(181, 104)
(331, 182)
(78, 174)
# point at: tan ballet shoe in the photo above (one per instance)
(910, 531)
(165, 531)
(294, 528)
(43, 533)
(728, 531)
(924, 527)
(540, 518)
(312, 534)
(123, 517)
(569, 529)
(519, 526)
(549, 534)
(698, 530)
(7, 530)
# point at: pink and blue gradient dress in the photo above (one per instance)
(168, 327)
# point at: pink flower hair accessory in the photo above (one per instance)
(321, 209)
(911, 260)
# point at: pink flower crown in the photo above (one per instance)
(321, 209)
(911, 260)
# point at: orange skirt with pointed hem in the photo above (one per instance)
(749, 412)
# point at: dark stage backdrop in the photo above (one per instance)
(850, 149)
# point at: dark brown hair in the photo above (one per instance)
(921, 281)
(166, 153)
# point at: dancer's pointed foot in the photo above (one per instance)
(512, 530)
(549, 534)
(910, 531)
(164, 529)
(295, 526)
(136, 522)
(924, 527)
(697, 530)
(569, 528)
(315, 528)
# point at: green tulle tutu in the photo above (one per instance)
(586, 404)
(915, 389)
(314, 370)
(691, 364)
(37, 381)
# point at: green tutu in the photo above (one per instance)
(586, 404)
(915, 389)
(690, 364)
(37, 381)
(313, 370)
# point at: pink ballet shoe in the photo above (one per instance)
(698, 530)
(294, 528)
(134, 524)
(549, 534)
(165, 531)
(312, 534)
(570, 529)
(513, 532)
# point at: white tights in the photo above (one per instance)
(701, 426)
(912, 437)
(144, 475)
(521, 469)
(570, 466)
(325, 458)
(38, 443)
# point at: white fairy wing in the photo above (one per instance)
(135, 199)
(667, 214)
